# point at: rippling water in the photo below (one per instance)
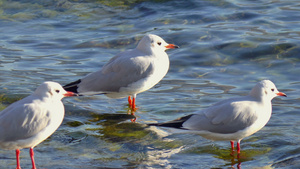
(226, 47)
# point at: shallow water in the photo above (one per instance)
(226, 46)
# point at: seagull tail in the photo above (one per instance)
(173, 124)
(72, 87)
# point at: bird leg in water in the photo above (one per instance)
(238, 155)
(232, 148)
(32, 158)
(18, 159)
(232, 145)
(131, 103)
(238, 147)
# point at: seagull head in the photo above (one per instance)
(52, 90)
(265, 89)
(152, 43)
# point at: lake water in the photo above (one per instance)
(226, 46)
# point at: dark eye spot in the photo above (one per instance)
(57, 91)
(159, 43)
(272, 90)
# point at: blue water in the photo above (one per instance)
(226, 46)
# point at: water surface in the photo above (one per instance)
(226, 47)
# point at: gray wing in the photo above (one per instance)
(223, 117)
(120, 71)
(21, 121)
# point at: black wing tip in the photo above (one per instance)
(153, 124)
(173, 124)
(72, 87)
(169, 125)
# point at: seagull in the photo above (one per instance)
(128, 73)
(28, 122)
(231, 119)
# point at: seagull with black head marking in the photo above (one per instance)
(128, 73)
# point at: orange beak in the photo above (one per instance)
(171, 46)
(281, 94)
(69, 94)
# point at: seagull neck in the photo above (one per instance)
(261, 99)
(257, 97)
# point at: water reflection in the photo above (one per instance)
(192, 144)
(160, 157)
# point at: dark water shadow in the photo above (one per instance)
(232, 159)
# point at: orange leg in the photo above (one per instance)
(32, 158)
(238, 147)
(18, 159)
(132, 107)
(232, 148)
(129, 101)
(232, 145)
(133, 104)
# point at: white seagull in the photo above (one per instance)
(231, 119)
(28, 122)
(129, 72)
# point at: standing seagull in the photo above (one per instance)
(232, 119)
(129, 72)
(28, 122)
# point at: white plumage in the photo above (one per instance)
(129, 72)
(28, 122)
(232, 119)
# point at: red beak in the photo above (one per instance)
(69, 94)
(281, 94)
(171, 46)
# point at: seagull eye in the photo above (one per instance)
(57, 91)
(272, 90)
(159, 43)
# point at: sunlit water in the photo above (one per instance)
(226, 47)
